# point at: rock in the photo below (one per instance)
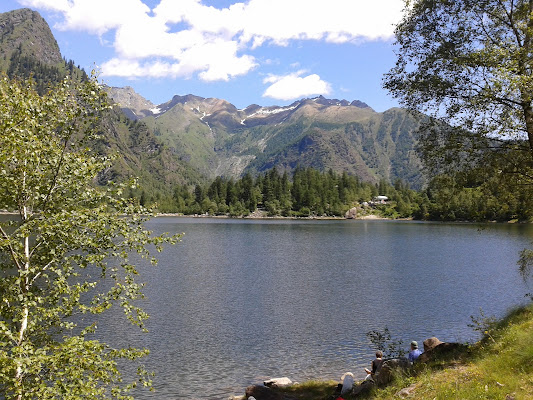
(406, 392)
(260, 392)
(365, 386)
(443, 350)
(347, 382)
(351, 213)
(431, 343)
(278, 382)
(387, 369)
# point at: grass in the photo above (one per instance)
(500, 366)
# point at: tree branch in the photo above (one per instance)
(11, 250)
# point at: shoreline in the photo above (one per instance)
(278, 217)
(369, 217)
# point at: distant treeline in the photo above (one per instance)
(309, 192)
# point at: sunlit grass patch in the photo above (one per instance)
(498, 367)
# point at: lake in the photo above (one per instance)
(239, 301)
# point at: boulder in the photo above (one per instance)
(407, 392)
(260, 392)
(443, 350)
(351, 213)
(278, 382)
(364, 387)
(387, 369)
(431, 343)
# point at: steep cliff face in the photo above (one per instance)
(26, 31)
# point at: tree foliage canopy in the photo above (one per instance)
(65, 254)
(469, 64)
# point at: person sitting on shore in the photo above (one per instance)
(374, 366)
(415, 352)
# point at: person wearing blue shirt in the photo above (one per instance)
(415, 352)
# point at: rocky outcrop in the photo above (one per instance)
(431, 343)
(132, 104)
(26, 30)
(433, 349)
(351, 213)
(443, 350)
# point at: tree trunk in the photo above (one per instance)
(25, 311)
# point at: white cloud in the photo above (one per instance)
(212, 61)
(94, 16)
(293, 86)
(215, 44)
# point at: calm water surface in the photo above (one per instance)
(238, 301)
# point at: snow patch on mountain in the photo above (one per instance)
(268, 111)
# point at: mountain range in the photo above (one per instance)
(218, 139)
(193, 139)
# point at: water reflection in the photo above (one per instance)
(238, 301)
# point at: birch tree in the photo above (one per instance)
(65, 238)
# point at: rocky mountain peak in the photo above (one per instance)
(336, 102)
(27, 31)
(132, 103)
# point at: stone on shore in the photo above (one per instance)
(431, 343)
(351, 213)
(386, 372)
(407, 392)
(278, 382)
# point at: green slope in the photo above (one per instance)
(218, 139)
(28, 48)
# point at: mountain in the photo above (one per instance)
(191, 138)
(28, 48)
(132, 104)
(217, 139)
(26, 31)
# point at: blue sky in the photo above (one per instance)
(266, 52)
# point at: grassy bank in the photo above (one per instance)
(500, 366)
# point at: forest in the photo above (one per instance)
(475, 195)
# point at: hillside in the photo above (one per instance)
(189, 138)
(220, 140)
(28, 48)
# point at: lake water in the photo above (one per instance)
(239, 301)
